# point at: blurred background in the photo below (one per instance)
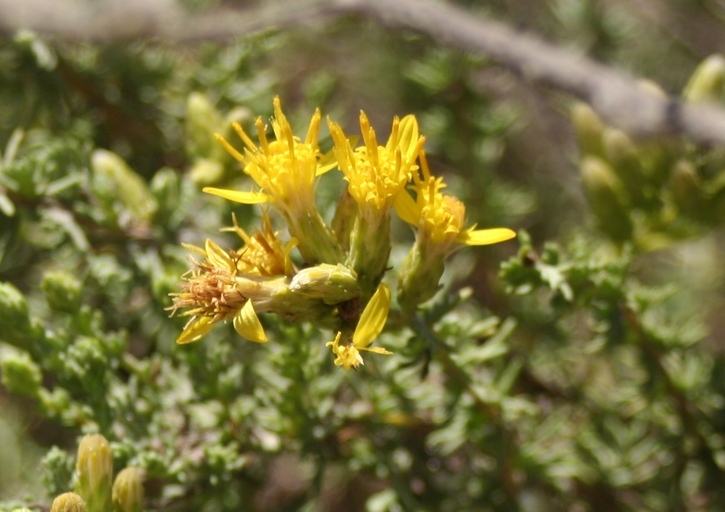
(595, 383)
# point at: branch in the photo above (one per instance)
(616, 96)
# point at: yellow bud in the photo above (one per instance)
(205, 172)
(111, 171)
(687, 190)
(607, 198)
(202, 121)
(589, 129)
(68, 502)
(624, 159)
(94, 472)
(128, 491)
(707, 82)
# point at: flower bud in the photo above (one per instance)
(94, 472)
(15, 327)
(330, 283)
(205, 172)
(419, 277)
(202, 121)
(624, 159)
(607, 198)
(117, 180)
(166, 189)
(589, 129)
(68, 502)
(20, 374)
(707, 82)
(687, 190)
(62, 291)
(128, 491)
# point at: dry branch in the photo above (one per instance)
(617, 97)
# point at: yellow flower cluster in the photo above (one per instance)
(338, 282)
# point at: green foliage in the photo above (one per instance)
(586, 376)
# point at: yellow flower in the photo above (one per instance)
(263, 253)
(259, 278)
(440, 217)
(376, 174)
(285, 169)
(369, 327)
(214, 292)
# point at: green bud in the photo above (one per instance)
(205, 172)
(22, 510)
(687, 190)
(419, 277)
(707, 82)
(94, 472)
(330, 283)
(202, 122)
(624, 159)
(606, 196)
(165, 187)
(589, 130)
(128, 491)
(68, 502)
(63, 291)
(370, 248)
(113, 177)
(15, 327)
(20, 374)
(344, 219)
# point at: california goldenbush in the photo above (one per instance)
(576, 378)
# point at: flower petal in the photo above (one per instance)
(195, 329)
(239, 196)
(408, 135)
(326, 163)
(247, 324)
(406, 208)
(373, 318)
(377, 350)
(218, 256)
(485, 236)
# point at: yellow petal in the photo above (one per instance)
(408, 137)
(239, 196)
(373, 318)
(247, 324)
(346, 356)
(218, 256)
(195, 329)
(196, 250)
(326, 163)
(485, 236)
(377, 350)
(406, 208)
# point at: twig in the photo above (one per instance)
(617, 97)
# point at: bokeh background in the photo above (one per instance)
(584, 376)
